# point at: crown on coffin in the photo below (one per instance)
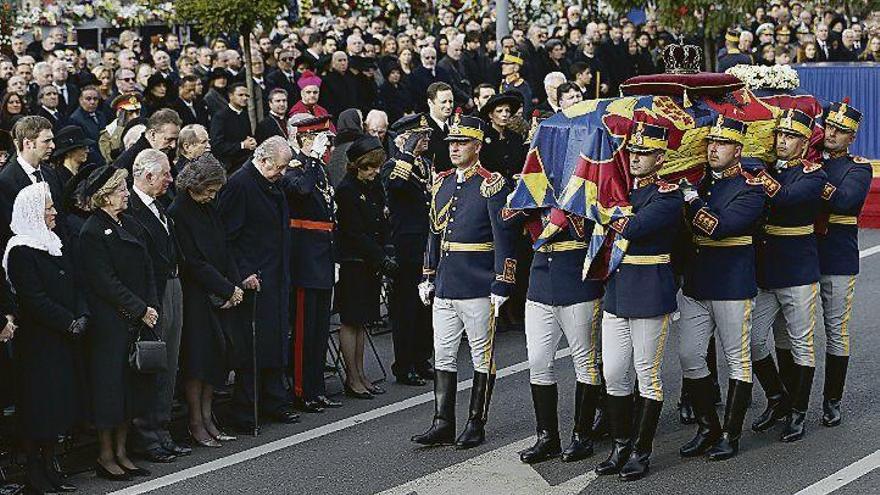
(682, 59)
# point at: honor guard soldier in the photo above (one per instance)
(512, 80)
(719, 289)
(312, 219)
(788, 275)
(406, 178)
(849, 179)
(560, 302)
(638, 305)
(469, 266)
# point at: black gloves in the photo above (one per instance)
(78, 327)
(389, 266)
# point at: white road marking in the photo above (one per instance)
(283, 443)
(868, 252)
(844, 477)
(496, 472)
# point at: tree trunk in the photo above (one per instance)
(249, 78)
(709, 48)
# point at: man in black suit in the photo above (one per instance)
(152, 176)
(68, 93)
(231, 137)
(33, 140)
(161, 133)
(47, 98)
(191, 109)
(439, 101)
(90, 119)
(824, 52)
(284, 76)
(422, 77)
(275, 124)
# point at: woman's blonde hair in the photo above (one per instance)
(101, 198)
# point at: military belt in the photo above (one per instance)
(557, 247)
(789, 231)
(296, 223)
(740, 240)
(646, 259)
(474, 247)
(843, 219)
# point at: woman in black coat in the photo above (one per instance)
(52, 316)
(210, 277)
(503, 149)
(121, 292)
(362, 235)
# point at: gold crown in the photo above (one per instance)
(682, 59)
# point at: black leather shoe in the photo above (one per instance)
(580, 447)
(350, 392)
(442, 430)
(619, 410)
(326, 402)
(686, 415)
(375, 389)
(176, 449)
(700, 393)
(426, 373)
(37, 480)
(286, 417)
(474, 432)
(547, 446)
(157, 456)
(794, 426)
(738, 395)
(636, 467)
(102, 472)
(831, 412)
(412, 378)
(726, 448)
(55, 477)
(308, 406)
(137, 471)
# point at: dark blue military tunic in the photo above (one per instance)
(644, 285)
(849, 180)
(555, 277)
(470, 248)
(788, 252)
(721, 266)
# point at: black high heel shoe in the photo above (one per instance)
(357, 395)
(102, 472)
(137, 471)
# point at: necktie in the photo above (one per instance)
(38, 175)
(63, 91)
(94, 117)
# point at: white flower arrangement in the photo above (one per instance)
(764, 77)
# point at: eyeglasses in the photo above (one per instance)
(126, 79)
(286, 59)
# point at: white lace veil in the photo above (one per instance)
(29, 222)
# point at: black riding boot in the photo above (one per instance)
(701, 392)
(586, 397)
(686, 415)
(600, 422)
(794, 427)
(639, 461)
(474, 432)
(544, 398)
(738, 395)
(786, 369)
(619, 414)
(835, 377)
(712, 363)
(778, 401)
(442, 430)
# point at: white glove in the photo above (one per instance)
(426, 292)
(320, 145)
(496, 301)
(690, 195)
(335, 272)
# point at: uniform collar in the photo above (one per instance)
(728, 172)
(641, 182)
(783, 164)
(464, 175)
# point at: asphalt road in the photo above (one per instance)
(364, 447)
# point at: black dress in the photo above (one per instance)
(362, 234)
(209, 270)
(119, 288)
(49, 385)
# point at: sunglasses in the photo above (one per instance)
(126, 79)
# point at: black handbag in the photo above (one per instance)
(148, 356)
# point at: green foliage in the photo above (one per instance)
(687, 16)
(213, 17)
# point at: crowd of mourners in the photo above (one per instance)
(138, 202)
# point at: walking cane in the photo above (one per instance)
(254, 354)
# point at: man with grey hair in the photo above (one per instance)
(552, 81)
(152, 176)
(376, 123)
(424, 76)
(255, 214)
(453, 64)
(163, 128)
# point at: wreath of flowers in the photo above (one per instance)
(764, 77)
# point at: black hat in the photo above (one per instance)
(795, 122)
(362, 63)
(728, 129)
(843, 116)
(306, 60)
(414, 123)
(361, 146)
(465, 127)
(98, 178)
(155, 80)
(646, 138)
(511, 98)
(218, 73)
(70, 138)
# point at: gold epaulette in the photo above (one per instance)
(492, 185)
(751, 179)
(295, 163)
(860, 159)
(666, 187)
(402, 170)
